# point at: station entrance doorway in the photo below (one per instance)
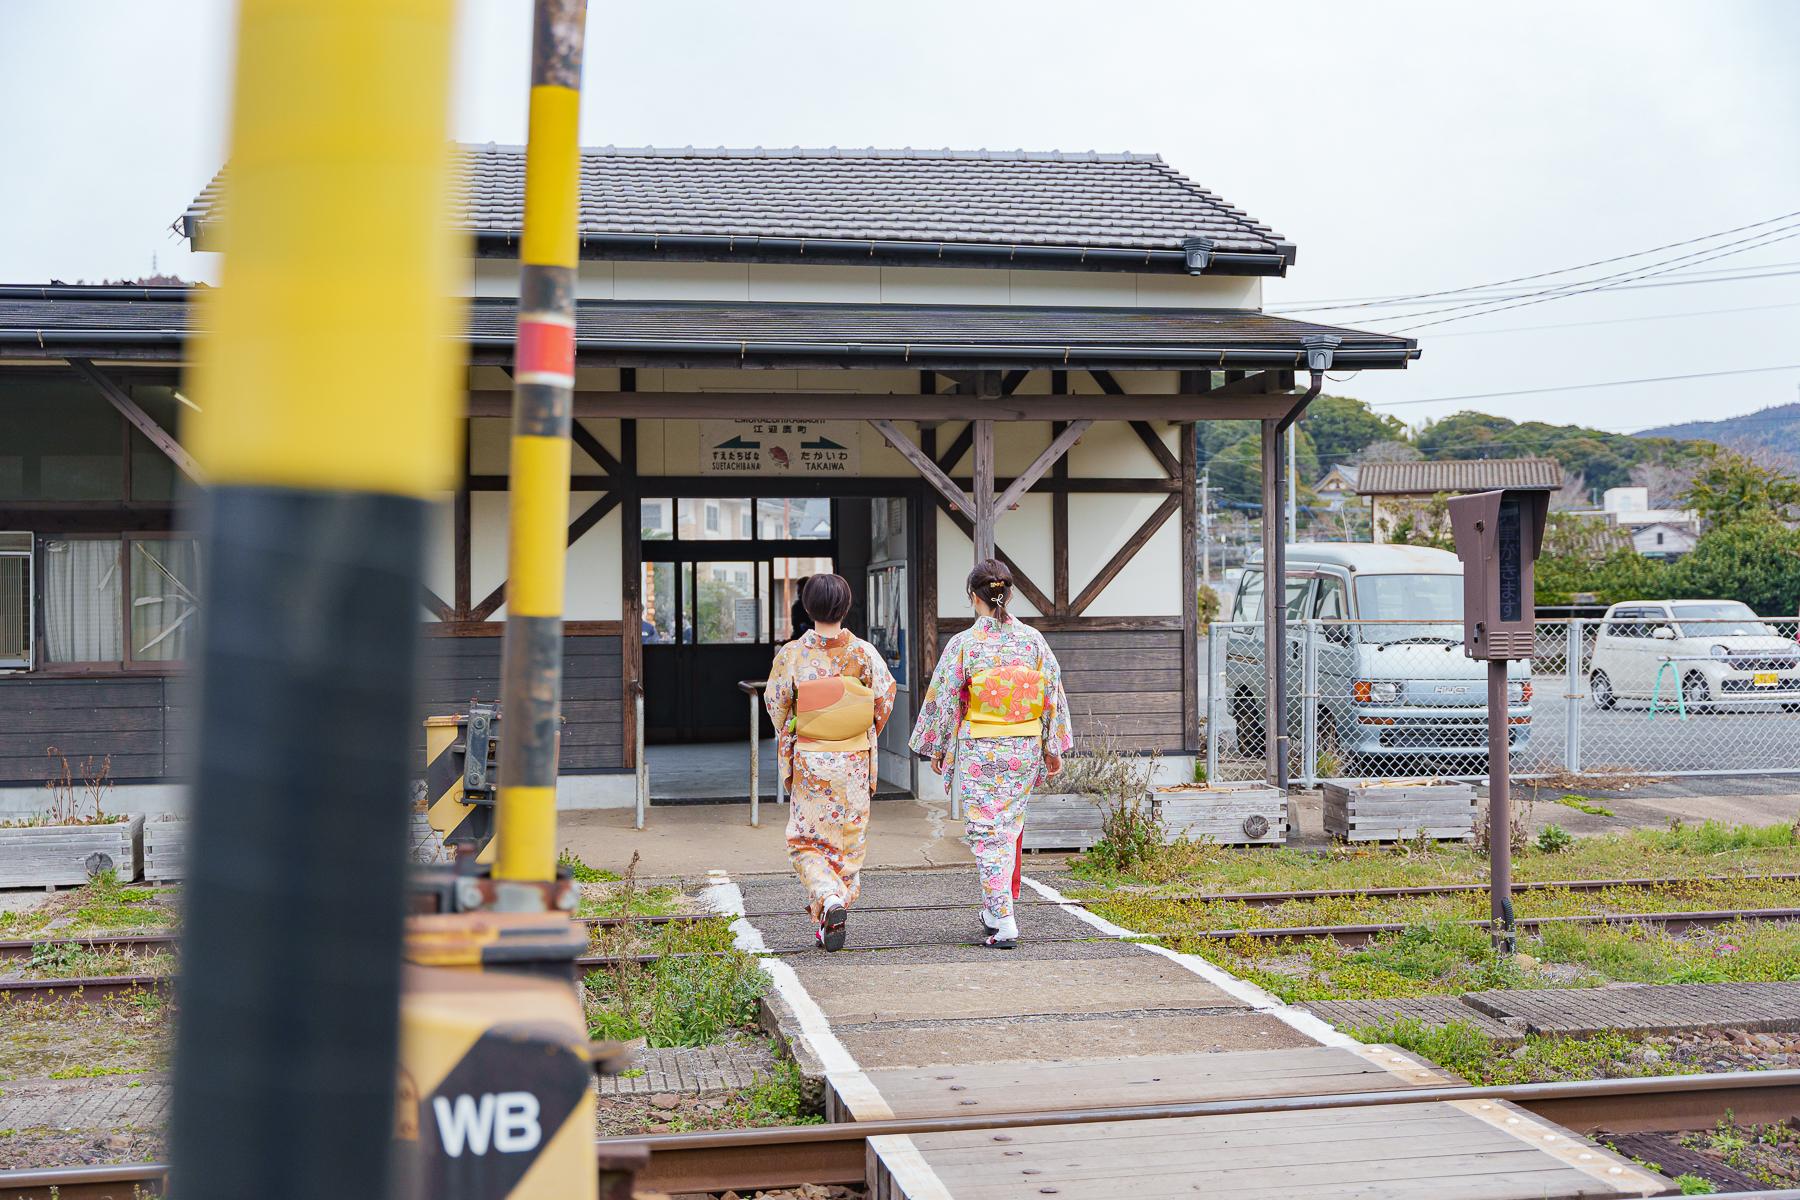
(721, 593)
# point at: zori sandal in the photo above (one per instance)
(994, 941)
(831, 928)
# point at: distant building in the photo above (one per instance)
(1663, 540)
(1337, 486)
(1654, 532)
(1403, 494)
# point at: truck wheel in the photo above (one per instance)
(1600, 687)
(1694, 689)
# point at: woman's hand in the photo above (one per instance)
(937, 763)
(1052, 765)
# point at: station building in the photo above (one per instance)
(789, 361)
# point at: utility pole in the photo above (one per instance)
(1206, 527)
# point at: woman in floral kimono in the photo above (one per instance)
(829, 695)
(995, 718)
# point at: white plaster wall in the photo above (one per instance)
(800, 283)
(440, 549)
(594, 588)
(1149, 585)
(1112, 450)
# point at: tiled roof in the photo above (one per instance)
(1106, 202)
(155, 322)
(1458, 475)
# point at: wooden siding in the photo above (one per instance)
(456, 670)
(144, 722)
(139, 720)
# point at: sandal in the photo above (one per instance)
(831, 928)
(994, 942)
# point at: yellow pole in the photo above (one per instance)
(543, 390)
(326, 378)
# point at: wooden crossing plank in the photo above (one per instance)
(1428, 1151)
(1149, 1079)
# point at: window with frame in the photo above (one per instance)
(15, 601)
(125, 601)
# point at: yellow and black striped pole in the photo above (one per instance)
(326, 376)
(543, 391)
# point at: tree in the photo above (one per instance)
(1386, 452)
(1755, 559)
(1665, 481)
(1729, 488)
(1340, 426)
(1572, 494)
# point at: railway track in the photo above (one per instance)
(88, 987)
(746, 1159)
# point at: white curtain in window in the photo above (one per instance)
(165, 598)
(81, 601)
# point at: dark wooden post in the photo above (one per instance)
(1190, 596)
(984, 514)
(1274, 540)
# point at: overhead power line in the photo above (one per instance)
(1581, 387)
(1598, 262)
(1704, 312)
(1680, 278)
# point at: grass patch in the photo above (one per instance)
(106, 904)
(1769, 1154)
(123, 1034)
(67, 960)
(1592, 808)
(580, 872)
(1708, 848)
(89, 1072)
(610, 901)
(1463, 1049)
(701, 989)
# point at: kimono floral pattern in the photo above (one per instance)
(994, 776)
(828, 790)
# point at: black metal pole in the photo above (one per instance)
(1274, 540)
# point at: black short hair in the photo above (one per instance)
(826, 598)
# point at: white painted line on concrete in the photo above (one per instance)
(842, 1071)
(907, 1168)
(1258, 999)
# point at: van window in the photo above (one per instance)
(1330, 605)
(1422, 607)
(1249, 598)
(1296, 598)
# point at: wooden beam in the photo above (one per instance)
(436, 604)
(459, 533)
(1147, 434)
(590, 445)
(984, 490)
(1126, 553)
(1190, 585)
(631, 572)
(1107, 383)
(1060, 445)
(1059, 515)
(590, 517)
(959, 446)
(1011, 381)
(926, 519)
(1242, 403)
(1022, 581)
(923, 464)
(146, 424)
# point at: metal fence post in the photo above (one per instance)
(755, 761)
(1574, 696)
(1212, 703)
(643, 768)
(1309, 702)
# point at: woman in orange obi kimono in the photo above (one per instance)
(829, 695)
(995, 718)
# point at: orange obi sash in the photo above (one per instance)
(1006, 702)
(833, 714)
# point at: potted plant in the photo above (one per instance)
(74, 838)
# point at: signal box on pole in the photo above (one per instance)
(1498, 537)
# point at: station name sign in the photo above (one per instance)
(779, 447)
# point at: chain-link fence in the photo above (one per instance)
(1691, 690)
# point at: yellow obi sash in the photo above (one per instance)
(833, 714)
(1006, 702)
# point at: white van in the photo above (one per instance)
(1383, 627)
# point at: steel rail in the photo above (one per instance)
(1357, 935)
(827, 1154)
(823, 1154)
(1445, 889)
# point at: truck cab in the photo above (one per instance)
(1376, 663)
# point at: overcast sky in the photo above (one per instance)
(1406, 148)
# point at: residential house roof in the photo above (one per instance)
(1424, 477)
(1015, 208)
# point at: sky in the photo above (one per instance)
(1406, 148)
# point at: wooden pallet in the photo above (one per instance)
(165, 851)
(60, 855)
(1359, 811)
(1062, 822)
(1231, 814)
